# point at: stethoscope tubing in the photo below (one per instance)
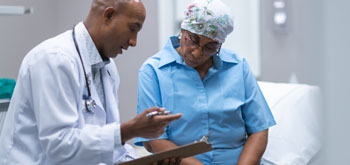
(89, 102)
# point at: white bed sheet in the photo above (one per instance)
(297, 136)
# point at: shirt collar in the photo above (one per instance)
(217, 61)
(94, 56)
(169, 54)
(225, 56)
(228, 56)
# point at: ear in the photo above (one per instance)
(181, 34)
(108, 14)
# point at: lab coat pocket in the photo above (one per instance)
(96, 117)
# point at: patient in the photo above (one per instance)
(213, 88)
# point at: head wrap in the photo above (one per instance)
(209, 18)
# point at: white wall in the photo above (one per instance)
(19, 34)
(336, 81)
(70, 13)
(298, 50)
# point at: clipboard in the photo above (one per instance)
(181, 151)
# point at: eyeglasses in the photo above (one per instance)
(194, 41)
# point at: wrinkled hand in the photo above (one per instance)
(147, 127)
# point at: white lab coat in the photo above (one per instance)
(47, 122)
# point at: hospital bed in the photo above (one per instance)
(4, 103)
(295, 140)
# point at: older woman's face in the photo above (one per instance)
(197, 49)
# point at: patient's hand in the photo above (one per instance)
(191, 161)
(170, 161)
(163, 145)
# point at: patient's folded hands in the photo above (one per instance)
(169, 161)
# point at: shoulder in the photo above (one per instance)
(231, 56)
(152, 62)
(59, 49)
(57, 53)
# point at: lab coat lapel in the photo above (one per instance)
(110, 98)
(94, 94)
(99, 114)
(87, 65)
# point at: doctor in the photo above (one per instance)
(64, 109)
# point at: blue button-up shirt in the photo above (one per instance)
(228, 103)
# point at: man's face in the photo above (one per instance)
(121, 32)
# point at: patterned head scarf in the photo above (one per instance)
(209, 18)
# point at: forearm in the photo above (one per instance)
(126, 131)
(254, 148)
(163, 145)
(159, 145)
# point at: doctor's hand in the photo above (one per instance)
(146, 127)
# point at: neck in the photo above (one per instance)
(89, 23)
(204, 68)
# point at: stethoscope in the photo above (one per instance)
(90, 103)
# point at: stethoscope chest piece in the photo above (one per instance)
(90, 104)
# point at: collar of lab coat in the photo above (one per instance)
(91, 56)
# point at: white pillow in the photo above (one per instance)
(295, 139)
